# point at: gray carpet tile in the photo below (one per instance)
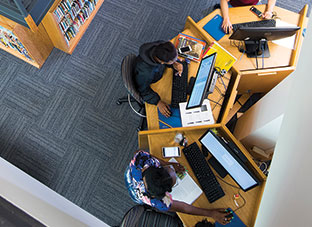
(61, 124)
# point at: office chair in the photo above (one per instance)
(127, 73)
(143, 215)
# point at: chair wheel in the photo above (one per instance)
(118, 103)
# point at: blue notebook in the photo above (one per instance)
(236, 222)
(213, 27)
(174, 120)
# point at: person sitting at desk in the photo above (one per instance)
(153, 58)
(150, 180)
(225, 4)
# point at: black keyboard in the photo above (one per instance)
(203, 173)
(179, 87)
(260, 23)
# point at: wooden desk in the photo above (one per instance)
(164, 85)
(244, 78)
(252, 197)
(282, 61)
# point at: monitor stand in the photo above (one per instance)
(257, 48)
(217, 167)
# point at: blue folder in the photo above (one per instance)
(174, 120)
(213, 27)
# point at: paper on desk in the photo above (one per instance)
(196, 116)
(185, 190)
(288, 42)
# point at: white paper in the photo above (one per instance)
(196, 116)
(288, 42)
(185, 190)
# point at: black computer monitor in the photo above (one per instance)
(203, 80)
(229, 161)
(256, 38)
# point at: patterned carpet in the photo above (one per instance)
(60, 124)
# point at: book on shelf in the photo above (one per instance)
(71, 14)
(197, 46)
(9, 40)
(224, 60)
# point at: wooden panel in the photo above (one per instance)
(54, 32)
(303, 21)
(7, 23)
(38, 44)
(262, 80)
(31, 23)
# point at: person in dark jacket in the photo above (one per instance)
(153, 58)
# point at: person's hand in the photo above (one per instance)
(178, 167)
(164, 108)
(178, 67)
(219, 216)
(227, 25)
(267, 15)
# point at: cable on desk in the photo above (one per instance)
(219, 90)
(214, 101)
(225, 87)
(234, 186)
(165, 123)
(217, 103)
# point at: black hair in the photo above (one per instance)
(204, 223)
(158, 181)
(165, 51)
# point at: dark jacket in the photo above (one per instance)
(148, 71)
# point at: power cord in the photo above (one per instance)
(239, 189)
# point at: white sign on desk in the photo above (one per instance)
(196, 116)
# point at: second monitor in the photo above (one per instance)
(203, 81)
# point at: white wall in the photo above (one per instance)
(287, 196)
(39, 201)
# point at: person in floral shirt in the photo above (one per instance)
(149, 180)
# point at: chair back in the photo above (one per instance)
(142, 216)
(127, 73)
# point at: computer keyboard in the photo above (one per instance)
(179, 87)
(203, 173)
(260, 23)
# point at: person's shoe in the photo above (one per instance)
(216, 6)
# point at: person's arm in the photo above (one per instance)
(268, 13)
(226, 24)
(178, 167)
(217, 214)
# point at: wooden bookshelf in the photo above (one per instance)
(37, 44)
(54, 28)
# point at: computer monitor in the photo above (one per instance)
(229, 161)
(256, 38)
(203, 80)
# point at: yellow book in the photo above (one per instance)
(225, 59)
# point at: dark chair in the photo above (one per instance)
(127, 73)
(143, 215)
